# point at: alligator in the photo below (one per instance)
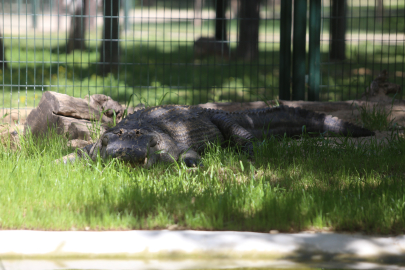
(175, 132)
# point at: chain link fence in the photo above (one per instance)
(186, 51)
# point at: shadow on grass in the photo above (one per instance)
(287, 187)
(343, 190)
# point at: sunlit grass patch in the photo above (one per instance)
(290, 185)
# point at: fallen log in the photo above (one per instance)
(308, 105)
(59, 111)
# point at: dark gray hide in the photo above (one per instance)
(174, 132)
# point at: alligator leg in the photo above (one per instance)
(189, 156)
(94, 150)
(72, 157)
(234, 132)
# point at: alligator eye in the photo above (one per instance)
(118, 131)
(104, 142)
(153, 142)
(137, 132)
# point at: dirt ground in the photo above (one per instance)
(13, 120)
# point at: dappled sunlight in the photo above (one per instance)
(289, 186)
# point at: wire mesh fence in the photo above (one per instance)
(186, 51)
(373, 41)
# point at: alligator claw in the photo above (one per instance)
(191, 162)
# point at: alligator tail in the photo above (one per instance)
(336, 125)
(329, 124)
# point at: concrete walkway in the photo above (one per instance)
(196, 250)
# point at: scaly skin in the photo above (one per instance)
(171, 133)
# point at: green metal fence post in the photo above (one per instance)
(299, 41)
(19, 6)
(314, 49)
(285, 50)
(128, 7)
(34, 13)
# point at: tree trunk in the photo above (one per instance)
(90, 10)
(338, 30)
(248, 43)
(379, 10)
(77, 28)
(234, 8)
(198, 5)
(109, 52)
(3, 62)
(60, 10)
(220, 20)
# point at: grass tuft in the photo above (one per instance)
(378, 118)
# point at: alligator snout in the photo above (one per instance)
(153, 142)
(129, 145)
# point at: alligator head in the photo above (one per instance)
(138, 145)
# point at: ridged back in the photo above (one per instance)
(189, 124)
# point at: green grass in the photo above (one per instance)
(376, 118)
(290, 186)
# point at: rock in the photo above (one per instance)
(173, 227)
(85, 130)
(79, 130)
(138, 107)
(72, 157)
(107, 105)
(63, 123)
(59, 122)
(75, 144)
(60, 111)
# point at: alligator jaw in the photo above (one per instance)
(147, 163)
